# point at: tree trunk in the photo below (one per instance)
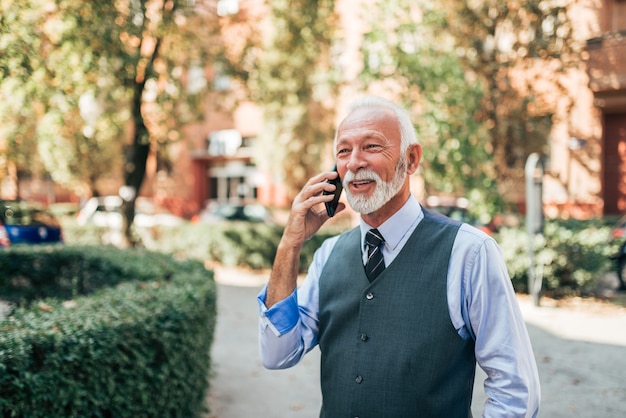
(136, 155)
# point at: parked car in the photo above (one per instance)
(618, 232)
(452, 207)
(247, 212)
(105, 211)
(24, 222)
(455, 208)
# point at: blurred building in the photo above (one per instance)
(606, 66)
(586, 165)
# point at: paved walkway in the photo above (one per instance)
(581, 355)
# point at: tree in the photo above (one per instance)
(403, 45)
(48, 70)
(110, 82)
(21, 75)
(465, 68)
(292, 77)
(514, 47)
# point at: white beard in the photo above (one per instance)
(383, 192)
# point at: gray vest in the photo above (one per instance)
(389, 348)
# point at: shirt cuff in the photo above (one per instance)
(283, 315)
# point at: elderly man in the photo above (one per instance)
(403, 306)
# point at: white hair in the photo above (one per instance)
(407, 132)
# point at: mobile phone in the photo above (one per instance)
(331, 206)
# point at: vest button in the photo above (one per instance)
(363, 337)
(369, 296)
(359, 379)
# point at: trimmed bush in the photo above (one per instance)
(570, 255)
(246, 244)
(104, 332)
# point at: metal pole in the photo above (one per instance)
(534, 171)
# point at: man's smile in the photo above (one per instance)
(360, 183)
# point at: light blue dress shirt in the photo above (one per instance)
(481, 302)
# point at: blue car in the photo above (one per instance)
(23, 222)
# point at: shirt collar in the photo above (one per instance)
(396, 227)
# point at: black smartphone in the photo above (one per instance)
(331, 206)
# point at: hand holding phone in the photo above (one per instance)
(331, 206)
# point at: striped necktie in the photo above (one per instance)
(375, 262)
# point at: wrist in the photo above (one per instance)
(290, 245)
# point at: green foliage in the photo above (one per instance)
(137, 346)
(414, 53)
(570, 255)
(451, 63)
(251, 245)
(295, 78)
(496, 38)
(68, 271)
(21, 75)
(75, 75)
(45, 75)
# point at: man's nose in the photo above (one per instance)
(356, 161)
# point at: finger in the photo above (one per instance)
(321, 178)
(310, 202)
(316, 185)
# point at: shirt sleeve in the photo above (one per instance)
(503, 349)
(284, 342)
(289, 329)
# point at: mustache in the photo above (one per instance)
(360, 175)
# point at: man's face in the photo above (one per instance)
(383, 192)
(369, 160)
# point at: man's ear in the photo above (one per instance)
(413, 158)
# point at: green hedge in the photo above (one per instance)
(68, 271)
(572, 253)
(246, 244)
(104, 332)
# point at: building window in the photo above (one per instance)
(234, 182)
(224, 142)
(227, 7)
